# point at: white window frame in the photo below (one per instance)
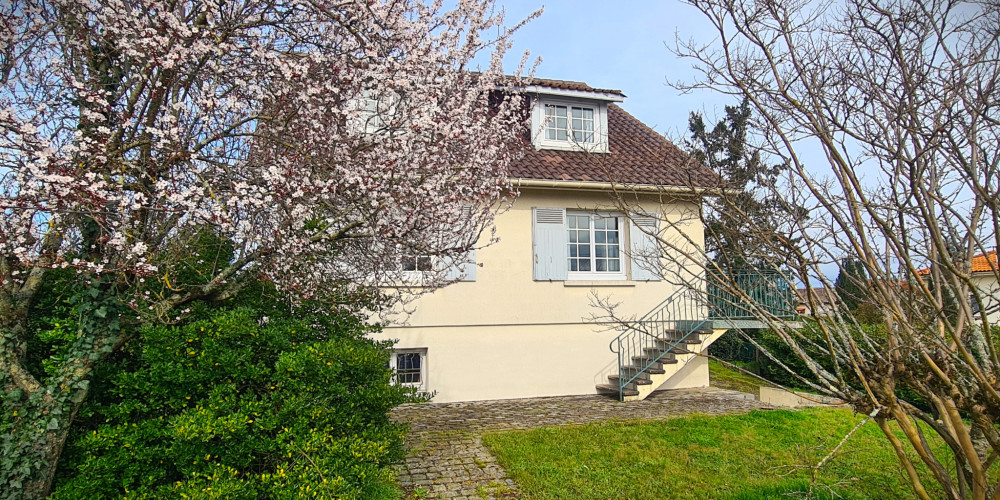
(369, 113)
(419, 261)
(539, 122)
(593, 274)
(393, 365)
(580, 134)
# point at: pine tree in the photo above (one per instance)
(851, 284)
(734, 222)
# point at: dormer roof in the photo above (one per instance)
(571, 89)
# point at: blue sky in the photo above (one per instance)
(618, 45)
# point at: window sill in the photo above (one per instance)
(587, 147)
(598, 283)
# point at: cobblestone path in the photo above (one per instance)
(447, 458)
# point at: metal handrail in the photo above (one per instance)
(761, 292)
(688, 309)
(682, 310)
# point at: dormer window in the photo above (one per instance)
(569, 123)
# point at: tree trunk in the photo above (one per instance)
(42, 439)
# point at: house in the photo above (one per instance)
(519, 323)
(985, 276)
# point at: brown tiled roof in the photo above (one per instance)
(820, 295)
(570, 85)
(637, 155)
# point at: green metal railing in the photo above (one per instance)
(646, 341)
(733, 296)
(750, 295)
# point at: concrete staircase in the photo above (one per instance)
(659, 360)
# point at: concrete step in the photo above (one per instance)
(612, 390)
(641, 380)
(646, 359)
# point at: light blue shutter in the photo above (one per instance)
(548, 242)
(463, 272)
(645, 255)
(467, 270)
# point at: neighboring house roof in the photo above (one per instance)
(637, 155)
(986, 262)
(820, 295)
(982, 263)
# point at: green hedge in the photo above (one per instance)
(239, 405)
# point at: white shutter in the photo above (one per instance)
(645, 254)
(465, 271)
(548, 241)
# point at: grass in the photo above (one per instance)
(762, 454)
(727, 378)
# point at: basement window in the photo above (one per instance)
(409, 367)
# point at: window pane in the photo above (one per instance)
(561, 135)
(600, 222)
(600, 251)
(613, 251)
(584, 251)
(613, 237)
(408, 367)
(584, 236)
(572, 265)
(602, 265)
(614, 265)
(572, 250)
(408, 263)
(577, 112)
(423, 263)
(600, 236)
(584, 265)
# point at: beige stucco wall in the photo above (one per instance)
(508, 336)
(990, 292)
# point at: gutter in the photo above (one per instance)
(612, 186)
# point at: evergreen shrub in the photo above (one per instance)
(238, 404)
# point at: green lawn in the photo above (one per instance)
(727, 378)
(761, 454)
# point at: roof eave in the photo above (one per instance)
(580, 94)
(620, 186)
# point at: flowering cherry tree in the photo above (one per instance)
(322, 141)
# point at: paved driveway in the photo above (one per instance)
(447, 458)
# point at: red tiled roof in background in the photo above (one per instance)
(637, 155)
(984, 262)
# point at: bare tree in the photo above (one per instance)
(900, 102)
